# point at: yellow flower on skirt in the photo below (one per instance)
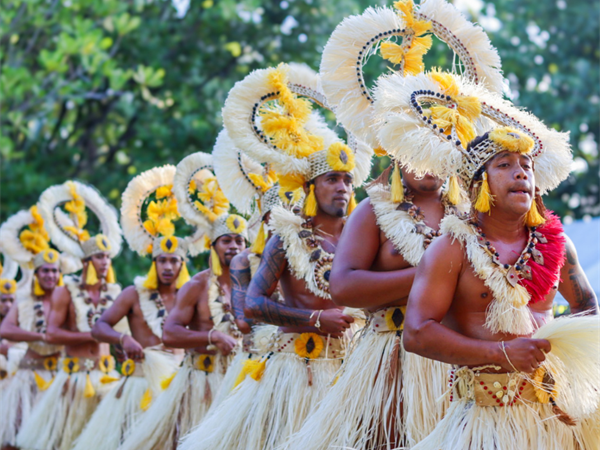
(308, 345)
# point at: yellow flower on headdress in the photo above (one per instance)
(71, 365)
(78, 214)
(7, 286)
(50, 256)
(309, 345)
(128, 367)
(206, 363)
(169, 244)
(263, 182)
(160, 217)
(235, 223)
(340, 157)
(192, 187)
(512, 140)
(211, 200)
(164, 191)
(35, 238)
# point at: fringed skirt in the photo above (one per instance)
(19, 394)
(363, 409)
(273, 401)
(65, 407)
(181, 406)
(132, 395)
(500, 411)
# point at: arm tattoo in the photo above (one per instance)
(264, 284)
(584, 298)
(240, 278)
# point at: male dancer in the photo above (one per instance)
(201, 321)
(146, 305)
(26, 320)
(482, 290)
(62, 412)
(395, 225)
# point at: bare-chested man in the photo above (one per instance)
(201, 321)
(482, 290)
(374, 268)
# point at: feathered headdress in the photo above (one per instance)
(377, 30)
(203, 204)
(8, 275)
(148, 215)
(269, 115)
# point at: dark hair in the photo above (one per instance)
(474, 143)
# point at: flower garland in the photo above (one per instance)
(152, 306)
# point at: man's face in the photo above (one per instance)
(333, 191)
(229, 245)
(48, 276)
(167, 268)
(426, 184)
(6, 301)
(101, 262)
(512, 182)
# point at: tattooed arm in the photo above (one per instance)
(574, 285)
(239, 270)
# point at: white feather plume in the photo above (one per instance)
(10, 268)
(55, 196)
(9, 237)
(133, 198)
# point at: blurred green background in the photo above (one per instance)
(101, 90)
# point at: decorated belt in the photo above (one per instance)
(75, 364)
(308, 345)
(49, 363)
(496, 389)
(248, 343)
(388, 319)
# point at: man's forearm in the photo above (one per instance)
(269, 311)
(104, 332)
(178, 336)
(18, 334)
(66, 337)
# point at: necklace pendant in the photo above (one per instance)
(538, 257)
(526, 273)
(540, 237)
(512, 276)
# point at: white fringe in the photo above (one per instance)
(132, 202)
(58, 419)
(148, 307)
(424, 392)
(114, 417)
(18, 396)
(54, 196)
(262, 415)
(363, 409)
(180, 408)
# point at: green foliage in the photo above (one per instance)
(101, 90)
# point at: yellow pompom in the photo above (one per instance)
(310, 203)
(108, 379)
(215, 263)
(183, 277)
(413, 58)
(91, 277)
(249, 367)
(89, 390)
(454, 190)
(258, 246)
(152, 278)
(351, 205)
(258, 369)
(37, 289)
(392, 52)
(61, 281)
(485, 199)
(110, 276)
(379, 151)
(41, 383)
(397, 188)
(533, 218)
(146, 400)
(166, 382)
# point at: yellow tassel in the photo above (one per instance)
(146, 400)
(397, 188)
(248, 368)
(166, 382)
(110, 276)
(108, 379)
(310, 204)
(152, 278)
(91, 277)
(37, 289)
(41, 383)
(215, 263)
(351, 205)
(183, 277)
(61, 281)
(454, 190)
(89, 390)
(533, 218)
(485, 199)
(259, 243)
(258, 370)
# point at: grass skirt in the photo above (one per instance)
(18, 396)
(179, 408)
(261, 415)
(62, 412)
(118, 411)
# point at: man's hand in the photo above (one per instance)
(525, 355)
(132, 348)
(223, 342)
(334, 322)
